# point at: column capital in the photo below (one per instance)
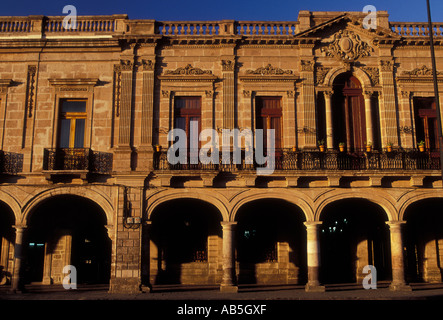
(228, 224)
(313, 224)
(20, 227)
(396, 223)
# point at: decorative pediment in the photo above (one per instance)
(421, 74)
(268, 73)
(422, 71)
(188, 73)
(269, 70)
(346, 20)
(347, 46)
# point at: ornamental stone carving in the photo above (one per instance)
(423, 71)
(188, 70)
(347, 46)
(269, 70)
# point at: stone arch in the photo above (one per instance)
(403, 206)
(357, 72)
(88, 193)
(247, 197)
(338, 195)
(159, 198)
(12, 203)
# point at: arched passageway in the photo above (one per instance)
(67, 230)
(271, 243)
(185, 243)
(354, 234)
(424, 241)
(7, 238)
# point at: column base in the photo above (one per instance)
(125, 285)
(228, 288)
(400, 287)
(314, 288)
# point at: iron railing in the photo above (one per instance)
(287, 159)
(72, 159)
(11, 162)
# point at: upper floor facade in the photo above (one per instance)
(99, 101)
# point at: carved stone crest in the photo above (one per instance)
(347, 46)
(188, 70)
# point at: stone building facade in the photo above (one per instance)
(84, 122)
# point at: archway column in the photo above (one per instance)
(397, 257)
(17, 281)
(229, 282)
(368, 117)
(329, 126)
(313, 253)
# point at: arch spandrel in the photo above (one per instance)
(212, 198)
(87, 193)
(356, 72)
(337, 195)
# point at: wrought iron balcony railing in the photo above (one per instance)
(287, 159)
(72, 159)
(11, 162)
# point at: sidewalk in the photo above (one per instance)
(252, 292)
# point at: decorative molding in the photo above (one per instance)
(247, 93)
(209, 93)
(228, 65)
(126, 65)
(347, 46)
(32, 70)
(166, 93)
(187, 71)
(269, 70)
(148, 65)
(320, 74)
(117, 90)
(422, 71)
(405, 129)
(373, 73)
(307, 65)
(387, 65)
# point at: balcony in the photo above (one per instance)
(11, 163)
(287, 159)
(76, 161)
(306, 168)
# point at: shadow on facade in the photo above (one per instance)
(67, 230)
(424, 241)
(271, 243)
(185, 243)
(354, 234)
(7, 239)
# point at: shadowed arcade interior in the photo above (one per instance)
(67, 230)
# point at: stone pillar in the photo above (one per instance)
(145, 151)
(229, 282)
(309, 129)
(368, 116)
(388, 109)
(329, 127)
(17, 281)
(397, 258)
(122, 153)
(228, 67)
(313, 252)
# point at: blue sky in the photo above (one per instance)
(399, 10)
